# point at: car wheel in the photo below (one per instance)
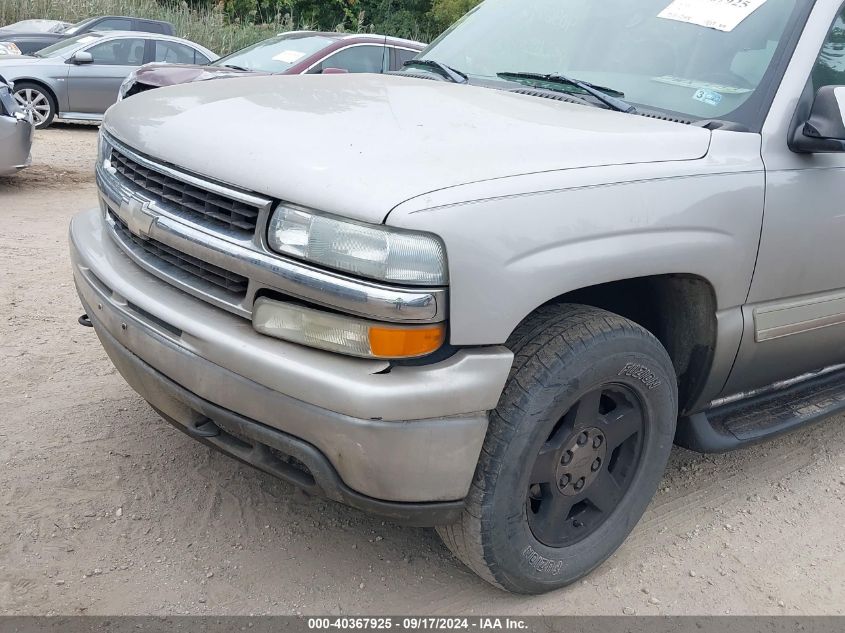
(574, 453)
(36, 101)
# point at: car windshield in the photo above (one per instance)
(276, 54)
(77, 27)
(651, 51)
(59, 49)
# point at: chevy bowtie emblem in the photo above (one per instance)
(137, 217)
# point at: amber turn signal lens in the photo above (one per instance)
(392, 342)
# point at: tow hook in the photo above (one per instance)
(85, 321)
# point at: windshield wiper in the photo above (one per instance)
(233, 67)
(599, 93)
(447, 72)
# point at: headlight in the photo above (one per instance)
(103, 148)
(126, 86)
(345, 335)
(368, 250)
(9, 48)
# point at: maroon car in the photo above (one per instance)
(293, 53)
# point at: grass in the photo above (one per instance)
(208, 27)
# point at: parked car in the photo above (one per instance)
(13, 41)
(293, 53)
(487, 294)
(16, 132)
(79, 78)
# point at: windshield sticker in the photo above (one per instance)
(289, 57)
(707, 96)
(693, 83)
(722, 15)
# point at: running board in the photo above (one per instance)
(79, 116)
(761, 417)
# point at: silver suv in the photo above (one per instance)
(489, 292)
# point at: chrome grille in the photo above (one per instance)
(196, 204)
(164, 257)
(183, 232)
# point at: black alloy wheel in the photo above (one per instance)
(585, 466)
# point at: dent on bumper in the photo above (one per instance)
(412, 434)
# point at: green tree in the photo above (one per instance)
(415, 19)
(445, 12)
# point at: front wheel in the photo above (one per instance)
(574, 453)
(36, 102)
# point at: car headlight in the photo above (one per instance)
(103, 148)
(368, 250)
(126, 86)
(9, 48)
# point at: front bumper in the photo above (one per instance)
(401, 441)
(15, 144)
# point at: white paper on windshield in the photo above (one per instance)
(289, 57)
(722, 15)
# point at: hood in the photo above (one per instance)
(23, 60)
(8, 33)
(358, 145)
(160, 75)
(44, 38)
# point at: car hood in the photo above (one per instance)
(358, 145)
(23, 60)
(160, 75)
(11, 36)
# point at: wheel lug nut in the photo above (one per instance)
(597, 441)
(582, 439)
(596, 464)
(579, 484)
(567, 457)
(564, 481)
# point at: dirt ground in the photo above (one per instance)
(106, 509)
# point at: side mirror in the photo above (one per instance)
(824, 130)
(334, 71)
(82, 57)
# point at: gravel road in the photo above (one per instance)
(106, 509)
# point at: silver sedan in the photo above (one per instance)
(79, 78)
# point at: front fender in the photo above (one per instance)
(512, 252)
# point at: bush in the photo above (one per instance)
(227, 25)
(200, 22)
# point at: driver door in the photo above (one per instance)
(93, 88)
(795, 313)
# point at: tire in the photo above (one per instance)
(552, 433)
(37, 100)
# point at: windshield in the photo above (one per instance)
(59, 49)
(76, 27)
(625, 45)
(275, 55)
